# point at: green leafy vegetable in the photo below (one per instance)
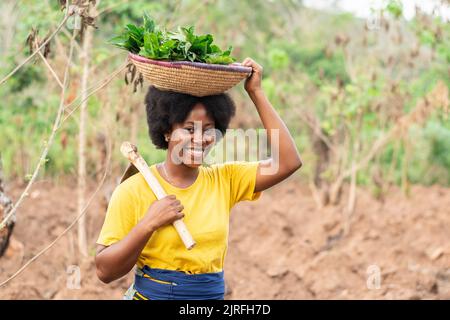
(153, 42)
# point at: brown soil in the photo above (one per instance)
(281, 246)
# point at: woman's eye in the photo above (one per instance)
(210, 133)
(190, 130)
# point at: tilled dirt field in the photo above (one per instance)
(281, 247)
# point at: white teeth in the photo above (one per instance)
(195, 153)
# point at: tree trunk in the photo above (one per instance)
(85, 57)
(322, 153)
(5, 207)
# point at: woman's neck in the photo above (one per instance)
(179, 174)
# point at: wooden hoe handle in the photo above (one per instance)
(131, 153)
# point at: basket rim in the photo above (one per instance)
(234, 67)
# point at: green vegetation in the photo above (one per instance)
(324, 72)
(154, 42)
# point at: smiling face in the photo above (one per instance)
(190, 141)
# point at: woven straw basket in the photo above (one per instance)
(194, 78)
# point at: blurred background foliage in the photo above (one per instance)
(338, 83)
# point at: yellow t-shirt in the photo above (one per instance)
(207, 203)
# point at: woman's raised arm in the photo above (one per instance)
(278, 168)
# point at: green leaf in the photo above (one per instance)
(149, 24)
(152, 41)
(395, 8)
(151, 45)
(214, 49)
(119, 41)
(219, 59)
(189, 34)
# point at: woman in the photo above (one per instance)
(137, 226)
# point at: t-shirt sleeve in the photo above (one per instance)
(120, 216)
(242, 177)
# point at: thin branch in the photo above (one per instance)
(68, 35)
(50, 140)
(58, 123)
(174, 11)
(50, 68)
(314, 126)
(100, 65)
(105, 10)
(104, 82)
(376, 147)
(438, 97)
(38, 50)
(74, 222)
(316, 130)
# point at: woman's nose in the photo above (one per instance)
(197, 137)
(201, 138)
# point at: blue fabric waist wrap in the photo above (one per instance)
(182, 286)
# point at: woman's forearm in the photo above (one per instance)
(288, 157)
(117, 260)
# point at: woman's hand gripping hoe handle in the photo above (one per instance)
(131, 153)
